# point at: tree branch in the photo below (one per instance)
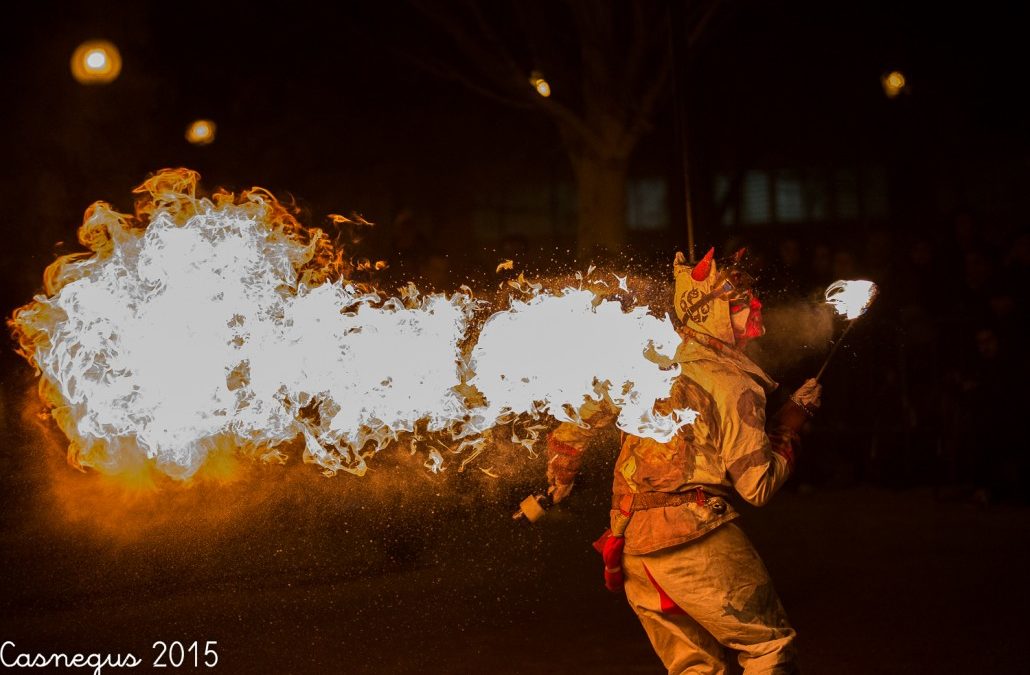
(648, 99)
(496, 62)
(442, 71)
(622, 78)
(699, 28)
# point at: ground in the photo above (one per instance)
(292, 572)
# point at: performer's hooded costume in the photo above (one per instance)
(690, 574)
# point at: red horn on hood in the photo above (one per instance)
(739, 255)
(701, 270)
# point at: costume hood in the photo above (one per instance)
(698, 298)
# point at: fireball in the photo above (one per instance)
(203, 324)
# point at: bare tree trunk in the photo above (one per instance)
(601, 185)
(622, 67)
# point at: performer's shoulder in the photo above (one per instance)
(714, 383)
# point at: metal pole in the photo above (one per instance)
(680, 113)
(834, 350)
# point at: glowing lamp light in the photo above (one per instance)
(893, 83)
(540, 84)
(96, 62)
(201, 132)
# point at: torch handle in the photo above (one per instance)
(833, 351)
(532, 508)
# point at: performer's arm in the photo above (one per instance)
(758, 462)
(566, 444)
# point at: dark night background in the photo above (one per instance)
(899, 547)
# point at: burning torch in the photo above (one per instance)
(850, 299)
(533, 507)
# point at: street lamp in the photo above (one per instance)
(201, 132)
(96, 62)
(540, 84)
(893, 83)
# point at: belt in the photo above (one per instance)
(641, 501)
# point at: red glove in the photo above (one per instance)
(610, 548)
(786, 424)
(791, 417)
(800, 407)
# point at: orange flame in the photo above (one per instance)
(172, 192)
(199, 328)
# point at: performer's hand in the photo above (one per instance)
(790, 418)
(559, 491)
(809, 395)
(614, 579)
(562, 466)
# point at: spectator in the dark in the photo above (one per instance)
(918, 304)
(995, 455)
(920, 282)
(971, 302)
(1015, 278)
(821, 271)
(879, 264)
(787, 279)
(977, 271)
(963, 229)
(1017, 262)
(844, 264)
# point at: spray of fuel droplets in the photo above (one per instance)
(201, 324)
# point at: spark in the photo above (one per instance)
(435, 461)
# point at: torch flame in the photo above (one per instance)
(200, 324)
(851, 299)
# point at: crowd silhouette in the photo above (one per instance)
(927, 389)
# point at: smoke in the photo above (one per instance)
(796, 332)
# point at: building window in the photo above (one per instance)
(794, 196)
(724, 200)
(647, 204)
(817, 196)
(874, 184)
(845, 192)
(790, 203)
(755, 199)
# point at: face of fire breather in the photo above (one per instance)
(718, 304)
(746, 316)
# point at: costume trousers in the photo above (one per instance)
(698, 598)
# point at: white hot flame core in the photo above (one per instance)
(851, 299)
(545, 355)
(186, 335)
